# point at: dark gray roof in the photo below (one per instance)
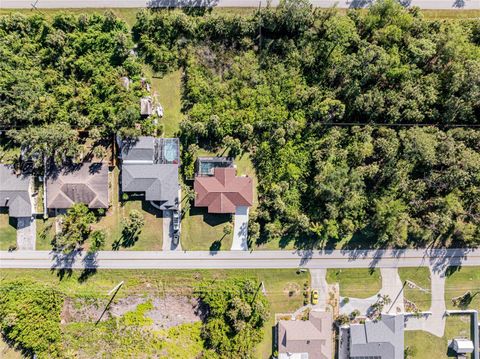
(14, 192)
(87, 183)
(159, 182)
(141, 149)
(383, 339)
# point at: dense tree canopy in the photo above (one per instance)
(62, 74)
(237, 311)
(274, 82)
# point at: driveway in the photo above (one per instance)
(319, 282)
(26, 233)
(240, 229)
(391, 286)
(433, 322)
(168, 233)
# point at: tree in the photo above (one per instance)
(132, 227)
(237, 312)
(97, 240)
(30, 317)
(76, 228)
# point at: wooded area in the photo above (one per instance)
(273, 84)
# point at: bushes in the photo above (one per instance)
(237, 311)
(30, 317)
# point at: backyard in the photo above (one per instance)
(356, 283)
(420, 277)
(425, 345)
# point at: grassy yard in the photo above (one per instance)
(283, 287)
(426, 345)
(45, 233)
(8, 233)
(204, 231)
(421, 277)
(356, 283)
(461, 280)
(8, 353)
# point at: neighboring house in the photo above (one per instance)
(224, 191)
(150, 169)
(382, 339)
(86, 183)
(15, 192)
(306, 339)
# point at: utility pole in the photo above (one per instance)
(114, 291)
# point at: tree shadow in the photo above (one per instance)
(127, 240)
(63, 263)
(451, 270)
(458, 4)
(89, 267)
(215, 246)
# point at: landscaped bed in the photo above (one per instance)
(421, 297)
(356, 283)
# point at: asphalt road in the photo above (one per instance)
(437, 260)
(424, 4)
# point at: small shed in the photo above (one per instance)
(462, 346)
(146, 106)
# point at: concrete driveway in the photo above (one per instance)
(168, 244)
(26, 233)
(240, 229)
(319, 282)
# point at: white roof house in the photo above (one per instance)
(462, 346)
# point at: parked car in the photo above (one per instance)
(314, 296)
(176, 221)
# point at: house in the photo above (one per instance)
(223, 191)
(85, 183)
(15, 194)
(382, 339)
(150, 169)
(306, 339)
(462, 346)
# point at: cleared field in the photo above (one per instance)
(356, 283)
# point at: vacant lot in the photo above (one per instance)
(356, 283)
(461, 280)
(421, 277)
(425, 345)
(164, 285)
(8, 233)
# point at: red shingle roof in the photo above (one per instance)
(223, 191)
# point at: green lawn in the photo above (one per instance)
(45, 233)
(425, 345)
(461, 280)
(204, 231)
(8, 233)
(356, 283)
(283, 286)
(421, 277)
(168, 89)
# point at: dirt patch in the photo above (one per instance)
(167, 312)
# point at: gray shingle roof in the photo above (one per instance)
(14, 192)
(159, 182)
(140, 149)
(382, 339)
(87, 184)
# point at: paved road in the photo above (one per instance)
(424, 4)
(437, 260)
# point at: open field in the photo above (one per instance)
(421, 277)
(8, 233)
(356, 283)
(283, 287)
(461, 280)
(425, 345)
